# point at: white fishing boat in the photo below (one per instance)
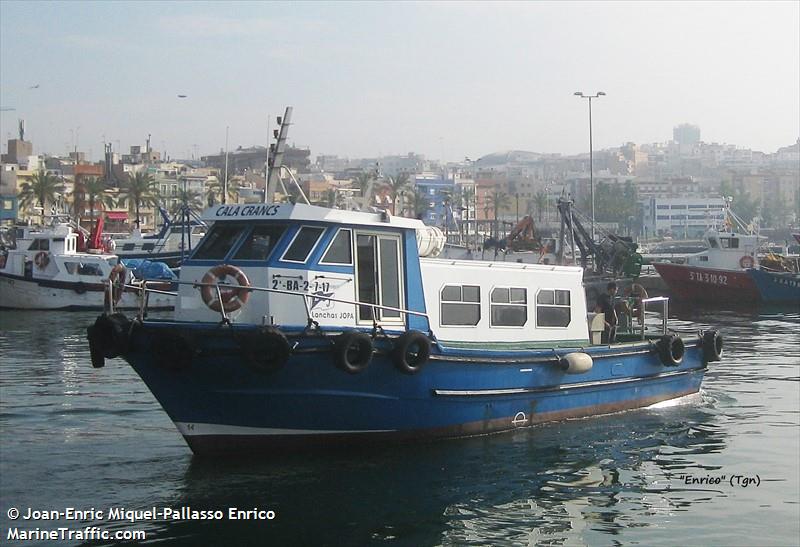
(45, 270)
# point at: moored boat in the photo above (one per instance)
(45, 271)
(297, 325)
(777, 287)
(719, 273)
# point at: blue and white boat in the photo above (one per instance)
(777, 287)
(298, 325)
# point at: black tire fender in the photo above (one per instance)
(353, 351)
(712, 346)
(411, 351)
(266, 350)
(671, 350)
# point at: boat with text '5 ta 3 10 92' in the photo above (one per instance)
(298, 325)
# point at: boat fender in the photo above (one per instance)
(712, 346)
(671, 350)
(266, 350)
(42, 259)
(172, 351)
(411, 351)
(353, 351)
(746, 262)
(576, 363)
(233, 297)
(108, 338)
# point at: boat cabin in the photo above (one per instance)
(51, 253)
(371, 270)
(727, 251)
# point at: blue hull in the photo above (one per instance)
(220, 402)
(777, 287)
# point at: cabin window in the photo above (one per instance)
(148, 246)
(340, 250)
(260, 243)
(40, 245)
(712, 242)
(378, 275)
(509, 307)
(729, 242)
(302, 244)
(552, 308)
(128, 246)
(460, 305)
(217, 244)
(83, 269)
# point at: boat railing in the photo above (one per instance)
(637, 318)
(144, 296)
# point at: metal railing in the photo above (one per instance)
(144, 292)
(639, 325)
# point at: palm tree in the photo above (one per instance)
(42, 188)
(396, 184)
(330, 197)
(498, 200)
(95, 192)
(140, 189)
(421, 203)
(186, 198)
(540, 201)
(362, 181)
(215, 189)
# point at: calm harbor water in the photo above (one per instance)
(72, 436)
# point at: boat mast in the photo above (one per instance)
(276, 156)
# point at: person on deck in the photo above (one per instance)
(605, 305)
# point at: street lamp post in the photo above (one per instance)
(591, 168)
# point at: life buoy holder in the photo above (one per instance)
(671, 350)
(266, 350)
(746, 262)
(233, 296)
(712, 346)
(118, 277)
(353, 351)
(42, 259)
(411, 351)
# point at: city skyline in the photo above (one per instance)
(446, 80)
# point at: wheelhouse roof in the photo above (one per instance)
(305, 213)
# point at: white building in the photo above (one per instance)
(685, 217)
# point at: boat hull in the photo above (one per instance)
(777, 287)
(220, 403)
(695, 284)
(17, 292)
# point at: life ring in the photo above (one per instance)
(671, 350)
(746, 262)
(712, 346)
(353, 351)
(639, 293)
(266, 350)
(42, 259)
(233, 297)
(411, 351)
(118, 277)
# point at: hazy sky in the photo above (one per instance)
(442, 79)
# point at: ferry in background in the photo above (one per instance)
(298, 325)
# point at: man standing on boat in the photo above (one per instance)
(605, 305)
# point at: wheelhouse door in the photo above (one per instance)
(379, 277)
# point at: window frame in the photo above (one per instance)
(402, 317)
(330, 244)
(523, 305)
(310, 252)
(553, 305)
(248, 234)
(243, 229)
(460, 302)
